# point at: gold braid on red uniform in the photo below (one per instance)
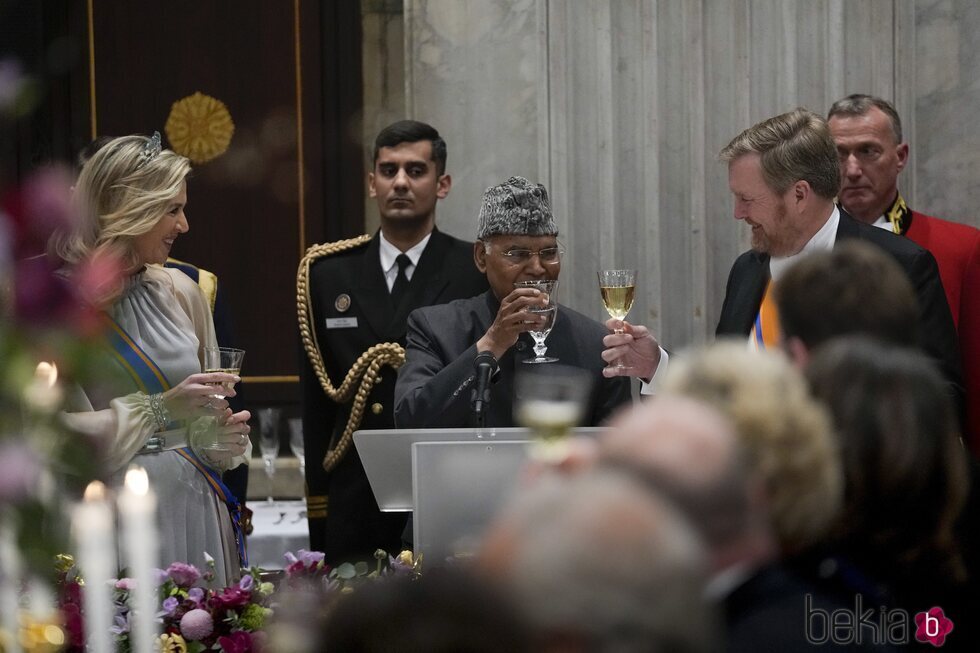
(363, 375)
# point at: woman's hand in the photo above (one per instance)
(231, 438)
(219, 440)
(195, 395)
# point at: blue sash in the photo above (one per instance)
(150, 379)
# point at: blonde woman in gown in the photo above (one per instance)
(133, 193)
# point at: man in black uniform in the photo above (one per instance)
(355, 296)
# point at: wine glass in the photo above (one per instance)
(550, 401)
(549, 287)
(618, 288)
(219, 359)
(269, 443)
(223, 359)
(296, 443)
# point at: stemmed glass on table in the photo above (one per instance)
(618, 288)
(269, 443)
(296, 443)
(549, 287)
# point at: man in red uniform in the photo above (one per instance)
(868, 134)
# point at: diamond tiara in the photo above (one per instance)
(150, 150)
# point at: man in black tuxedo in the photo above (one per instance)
(784, 175)
(358, 294)
(517, 241)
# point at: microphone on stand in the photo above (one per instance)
(485, 364)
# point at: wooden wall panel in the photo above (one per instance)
(291, 174)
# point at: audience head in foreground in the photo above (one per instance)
(599, 563)
(855, 288)
(440, 612)
(904, 467)
(784, 432)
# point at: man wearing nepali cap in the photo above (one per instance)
(517, 241)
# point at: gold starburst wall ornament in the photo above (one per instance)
(199, 127)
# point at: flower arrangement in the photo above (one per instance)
(196, 617)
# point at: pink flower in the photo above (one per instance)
(183, 574)
(196, 625)
(237, 642)
(127, 584)
(230, 598)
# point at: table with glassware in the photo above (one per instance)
(278, 527)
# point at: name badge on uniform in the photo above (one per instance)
(341, 322)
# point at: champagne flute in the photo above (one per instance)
(296, 443)
(618, 288)
(269, 443)
(549, 312)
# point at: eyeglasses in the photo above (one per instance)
(547, 256)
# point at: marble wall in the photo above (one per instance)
(946, 140)
(621, 106)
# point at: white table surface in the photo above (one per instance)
(276, 528)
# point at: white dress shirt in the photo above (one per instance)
(389, 253)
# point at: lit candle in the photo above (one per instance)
(137, 512)
(9, 582)
(44, 394)
(92, 522)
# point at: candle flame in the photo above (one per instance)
(47, 373)
(95, 491)
(137, 481)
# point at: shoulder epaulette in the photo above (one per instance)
(320, 250)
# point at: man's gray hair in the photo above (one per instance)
(600, 557)
(858, 104)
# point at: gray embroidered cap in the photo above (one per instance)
(516, 206)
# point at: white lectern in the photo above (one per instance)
(453, 479)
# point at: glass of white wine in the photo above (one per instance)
(549, 312)
(223, 359)
(550, 401)
(618, 288)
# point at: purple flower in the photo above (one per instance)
(183, 574)
(196, 624)
(160, 577)
(246, 583)
(311, 558)
(196, 594)
(237, 642)
(121, 624)
(170, 605)
(19, 471)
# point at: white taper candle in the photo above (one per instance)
(137, 512)
(92, 525)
